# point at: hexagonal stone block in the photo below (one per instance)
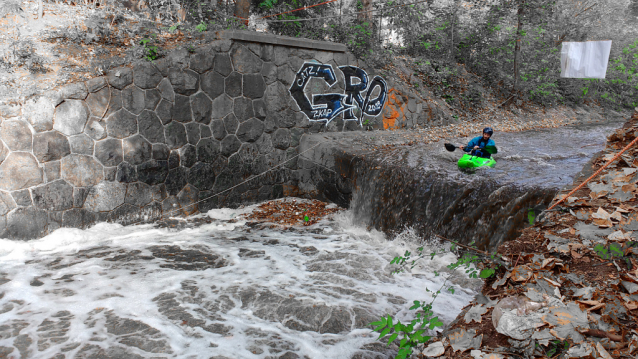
(245, 61)
(229, 145)
(151, 127)
(105, 196)
(4, 152)
(281, 139)
(212, 84)
(218, 129)
(160, 151)
(201, 62)
(95, 84)
(250, 130)
(126, 173)
(254, 86)
(22, 198)
(120, 77)
(233, 84)
(16, 135)
(175, 134)
(243, 109)
(19, 170)
(26, 223)
(81, 144)
(98, 101)
(166, 90)
(208, 150)
(173, 159)
(146, 76)
(52, 170)
(182, 109)
(202, 176)
(138, 194)
(39, 113)
(81, 170)
(133, 99)
(71, 117)
(269, 72)
(192, 133)
(75, 91)
(223, 65)
(121, 124)
(187, 199)
(176, 180)
(184, 82)
(231, 123)
(137, 150)
(276, 97)
(109, 152)
(222, 106)
(152, 172)
(259, 107)
(164, 111)
(53, 196)
(6, 203)
(201, 106)
(95, 128)
(286, 119)
(205, 131)
(151, 99)
(188, 155)
(78, 218)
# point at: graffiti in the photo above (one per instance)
(326, 107)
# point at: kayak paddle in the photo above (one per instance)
(490, 149)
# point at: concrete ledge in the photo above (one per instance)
(252, 36)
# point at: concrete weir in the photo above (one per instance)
(163, 138)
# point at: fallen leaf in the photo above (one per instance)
(521, 273)
(567, 321)
(475, 313)
(602, 352)
(576, 255)
(463, 340)
(619, 236)
(601, 214)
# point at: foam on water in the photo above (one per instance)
(217, 290)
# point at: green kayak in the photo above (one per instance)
(469, 161)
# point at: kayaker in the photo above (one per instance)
(476, 145)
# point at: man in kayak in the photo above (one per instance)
(477, 144)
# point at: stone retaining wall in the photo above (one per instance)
(154, 139)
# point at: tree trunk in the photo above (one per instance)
(242, 10)
(517, 48)
(367, 15)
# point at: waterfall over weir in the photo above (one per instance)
(419, 186)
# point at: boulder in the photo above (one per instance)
(16, 135)
(20, 170)
(201, 106)
(26, 223)
(81, 144)
(151, 127)
(71, 117)
(184, 82)
(138, 194)
(109, 151)
(254, 86)
(50, 146)
(121, 124)
(137, 150)
(120, 77)
(250, 130)
(133, 99)
(81, 170)
(146, 75)
(212, 84)
(245, 61)
(233, 84)
(105, 196)
(39, 113)
(53, 196)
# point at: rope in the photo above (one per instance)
(595, 173)
(302, 8)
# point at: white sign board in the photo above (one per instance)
(585, 59)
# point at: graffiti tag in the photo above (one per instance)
(325, 107)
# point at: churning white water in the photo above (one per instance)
(219, 290)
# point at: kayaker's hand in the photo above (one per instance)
(476, 147)
(462, 147)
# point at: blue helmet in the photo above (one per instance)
(488, 130)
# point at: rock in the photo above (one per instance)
(16, 135)
(434, 350)
(160, 151)
(231, 123)
(109, 151)
(221, 107)
(187, 199)
(250, 130)
(78, 218)
(192, 132)
(164, 111)
(52, 170)
(223, 65)
(75, 91)
(98, 102)
(207, 150)
(184, 82)
(201, 62)
(137, 150)
(188, 155)
(126, 173)
(230, 144)
(205, 131)
(146, 76)
(39, 113)
(22, 198)
(166, 90)
(138, 194)
(175, 134)
(95, 84)
(201, 106)
(4, 152)
(6, 203)
(151, 99)
(120, 77)
(287, 119)
(218, 129)
(269, 72)
(26, 223)
(233, 84)
(182, 110)
(276, 97)
(95, 128)
(110, 174)
(281, 139)
(121, 124)
(20, 170)
(53, 196)
(152, 172)
(245, 61)
(79, 196)
(259, 108)
(81, 170)
(105, 196)
(151, 127)
(212, 84)
(243, 109)
(254, 86)
(173, 159)
(133, 100)
(81, 144)
(202, 176)
(176, 180)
